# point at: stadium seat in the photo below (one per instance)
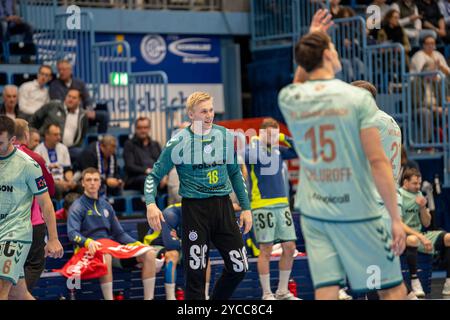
(17, 51)
(19, 78)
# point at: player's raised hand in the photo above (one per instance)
(398, 238)
(154, 217)
(245, 220)
(421, 201)
(54, 249)
(321, 21)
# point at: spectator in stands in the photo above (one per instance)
(415, 216)
(34, 94)
(57, 158)
(140, 154)
(13, 23)
(70, 118)
(432, 18)
(65, 81)
(9, 107)
(335, 8)
(69, 199)
(444, 7)
(411, 20)
(392, 31)
(35, 262)
(84, 229)
(429, 59)
(35, 139)
(102, 156)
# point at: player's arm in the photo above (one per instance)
(74, 222)
(384, 181)
(425, 215)
(287, 153)
(160, 170)
(240, 189)
(118, 234)
(53, 247)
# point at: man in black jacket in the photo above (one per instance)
(102, 156)
(140, 154)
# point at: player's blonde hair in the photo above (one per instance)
(196, 98)
(21, 128)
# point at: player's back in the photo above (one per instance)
(325, 118)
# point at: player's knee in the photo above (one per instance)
(289, 248)
(173, 256)
(149, 256)
(412, 241)
(265, 250)
(447, 239)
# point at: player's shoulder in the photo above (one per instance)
(178, 138)
(291, 93)
(23, 159)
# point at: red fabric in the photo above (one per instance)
(85, 266)
(61, 214)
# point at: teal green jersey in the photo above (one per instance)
(207, 166)
(411, 210)
(20, 179)
(325, 119)
(391, 140)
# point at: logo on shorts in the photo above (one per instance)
(40, 183)
(153, 48)
(193, 236)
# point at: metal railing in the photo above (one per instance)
(350, 42)
(112, 69)
(213, 5)
(386, 65)
(427, 110)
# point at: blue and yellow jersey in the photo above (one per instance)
(265, 170)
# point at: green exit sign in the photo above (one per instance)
(118, 79)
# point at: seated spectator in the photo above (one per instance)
(57, 159)
(65, 81)
(9, 107)
(392, 31)
(34, 94)
(432, 18)
(92, 218)
(415, 216)
(102, 156)
(140, 154)
(35, 139)
(335, 8)
(410, 20)
(69, 117)
(429, 59)
(444, 7)
(69, 199)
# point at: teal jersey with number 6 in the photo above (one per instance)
(325, 118)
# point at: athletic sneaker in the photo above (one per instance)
(417, 288)
(269, 296)
(411, 296)
(343, 295)
(285, 296)
(446, 290)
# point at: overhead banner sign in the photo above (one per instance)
(192, 63)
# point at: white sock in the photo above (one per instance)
(264, 279)
(107, 290)
(207, 291)
(149, 288)
(284, 281)
(170, 291)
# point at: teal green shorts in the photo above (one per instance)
(358, 251)
(13, 255)
(433, 236)
(273, 224)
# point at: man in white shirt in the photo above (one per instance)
(57, 159)
(34, 94)
(429, 59)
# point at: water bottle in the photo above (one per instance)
(179, 294)
(437, 185)
(292, 287)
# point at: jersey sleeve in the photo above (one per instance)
(367, 110)
(74, 224)
(161, 168)
(35, 178)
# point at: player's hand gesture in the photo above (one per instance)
(421, 201)
(428, 245)
(398, 238)
(322, 21)
(246, 220)
(54, 249)
(154, 217)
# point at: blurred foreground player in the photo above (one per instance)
(334, 125)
